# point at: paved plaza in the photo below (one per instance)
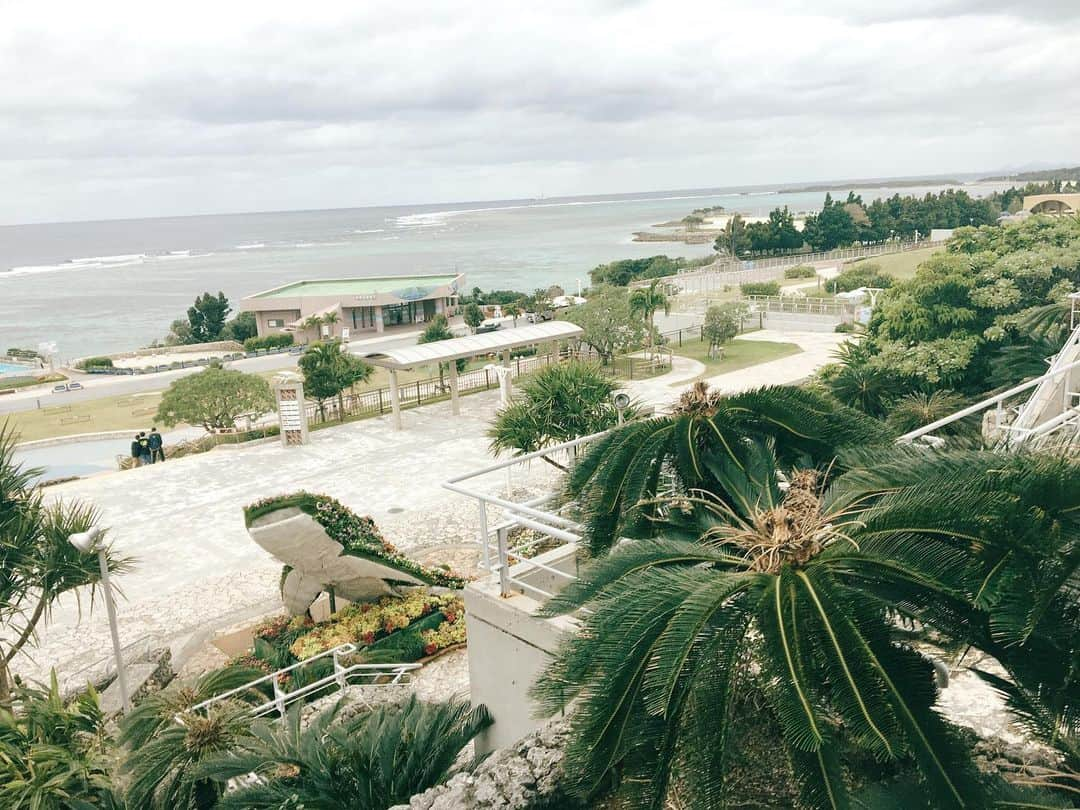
(197, 570)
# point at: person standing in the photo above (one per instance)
(136, 451)
(157, 450)
(144, 449)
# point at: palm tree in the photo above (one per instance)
(312, 322)
(330, 318)
(379, 759)
(163, 755)
(37, 563)
(645, 301)
(329, 369)
(792, 595)
(512, 310)
(617, 478)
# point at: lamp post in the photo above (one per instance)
(621, 400)
(88, 542)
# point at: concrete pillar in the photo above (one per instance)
(506, 358)
(455, 402)
(440, 308)
(378, 319)
(395, 398)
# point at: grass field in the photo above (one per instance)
(899, 265)
(737, 354)
(55, 418)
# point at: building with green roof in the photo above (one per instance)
(344, 307)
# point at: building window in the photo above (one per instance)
(275, 323)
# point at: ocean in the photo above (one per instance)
(116, 285)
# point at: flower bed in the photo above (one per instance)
(359, 536)
(414, 626)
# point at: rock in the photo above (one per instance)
(515, 778)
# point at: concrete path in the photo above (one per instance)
(817, 349)
(198, 570)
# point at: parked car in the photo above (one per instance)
(539, 317)
(75, 386)
(59, 389)
(488, 326)
(63, 388)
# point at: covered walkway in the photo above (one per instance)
(465, 348)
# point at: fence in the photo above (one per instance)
(727, 272)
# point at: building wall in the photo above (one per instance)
(263, 320)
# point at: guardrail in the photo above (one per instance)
(381, 675)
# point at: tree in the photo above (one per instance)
(379, 759)
(777, 234)
(215, 398)
(240, 328)
(52, 752)
(645, 301)
(792, 595)
(556, 404)
(329, 369)
(207, 317)
(179, 333)
(609, 326)
(329, 319)
(734, 240)
(162, 756)
(919, 409)
(37, 563)
(831, 228)
(722, 324)
(313, 323)
(439, 329)
(512, 311)
(473, 315)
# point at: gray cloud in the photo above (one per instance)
(120, 108)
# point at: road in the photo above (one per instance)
(97, 386)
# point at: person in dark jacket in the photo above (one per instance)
(136, 451)
(157, 451)
(144, 449)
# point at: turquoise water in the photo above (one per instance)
(100, 287)
(9, 368)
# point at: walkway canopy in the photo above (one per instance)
(499, 342)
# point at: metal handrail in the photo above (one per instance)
(342, 676)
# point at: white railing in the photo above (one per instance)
(344, 674)
(497, 555)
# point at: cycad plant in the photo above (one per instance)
(166, 743)
(617, 478)
(790, 589)
(379, 759)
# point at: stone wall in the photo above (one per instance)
(523, 776)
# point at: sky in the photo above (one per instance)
(126, 109)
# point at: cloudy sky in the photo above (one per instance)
(115, 108)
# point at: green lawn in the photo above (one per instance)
(57, 418)
(900, 266)
(737, 354)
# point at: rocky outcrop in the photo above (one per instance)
(523, 776)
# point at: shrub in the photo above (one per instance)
(95, 362)
(866, 274)
(760, 288)
(846, 328)
(269, 342)
(800, 271)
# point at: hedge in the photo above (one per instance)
(760, 288)
(96, 362)
(800, 271)
(268, 342)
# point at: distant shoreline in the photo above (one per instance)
(869, 184)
